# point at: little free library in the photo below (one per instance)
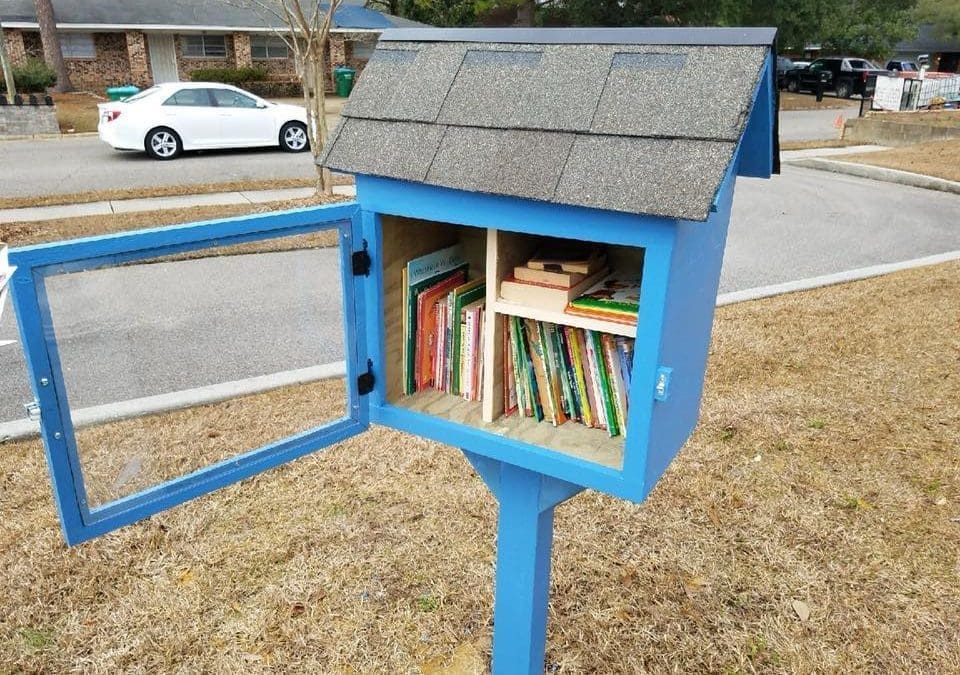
(529, 271)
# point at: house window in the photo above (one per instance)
(362, 50)
(268, 47)
(204, 46)
(77, 46)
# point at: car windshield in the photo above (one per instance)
(142, 95)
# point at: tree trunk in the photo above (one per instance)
(317, 112)
(7, 71)
(526, 12)
(51, 44)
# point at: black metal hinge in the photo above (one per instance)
(361, 262)
(366, 381)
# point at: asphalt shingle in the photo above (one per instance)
(401, 150)
(677, 178)
(517, 163)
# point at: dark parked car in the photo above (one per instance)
(784, 66)
(902, 66)
(844, 75)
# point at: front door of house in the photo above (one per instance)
(163, 58)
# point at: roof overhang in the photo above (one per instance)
(726, 37)
(166, 28)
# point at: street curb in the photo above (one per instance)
(877, 173)
(177, 400)
(811, 283)
(48, 137)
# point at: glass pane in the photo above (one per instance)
(202, 357)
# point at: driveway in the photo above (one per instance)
(814, 125)
(192, 323)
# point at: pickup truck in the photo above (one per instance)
(844, 75)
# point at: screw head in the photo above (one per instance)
(44, 382)
(57, 435)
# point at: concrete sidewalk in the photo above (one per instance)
(102, 208)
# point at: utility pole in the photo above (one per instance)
(7, 71)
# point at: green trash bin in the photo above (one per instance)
(120, 93)
(343, 80)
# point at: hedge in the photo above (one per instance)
(33, 77)
(235, 76)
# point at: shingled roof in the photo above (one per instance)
(636, 120)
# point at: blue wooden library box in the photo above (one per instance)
(495, 145)
(497, 139)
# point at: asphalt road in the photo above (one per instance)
(814, 125)
(149, 329)
(86, 164)
(143, 330)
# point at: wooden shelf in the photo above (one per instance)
(577, 440)
(502, 306)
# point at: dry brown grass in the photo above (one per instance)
(23, 234)
(164, 191)
(933, 118)
(807, 145)
(77, 111)
(937, 158)
(789, 101)
(825, 471)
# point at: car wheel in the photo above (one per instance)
(844, 89)
(293, 137)
(162, 143)
(793, 86)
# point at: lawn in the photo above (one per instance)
(811, 525)
(940, 159)
(26, 233)
(934, 118)
(790, 101)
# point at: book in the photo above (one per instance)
(561, 279)
(614, 298)
(457, 299)
(510, 394)
(535, 353)
(469, 352)
(418, 275)
(426, 334)
(567, 255)
(545, 296)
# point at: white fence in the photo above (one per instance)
(910, 93)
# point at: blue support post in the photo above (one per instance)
(524, 543)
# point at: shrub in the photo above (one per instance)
(234, 76)
(33, 77)
(275, 88)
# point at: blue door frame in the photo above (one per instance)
(79, 521)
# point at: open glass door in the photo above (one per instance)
(168, 363)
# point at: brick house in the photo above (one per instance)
(143, 42)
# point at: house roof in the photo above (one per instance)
(187, 15)
(636, 120)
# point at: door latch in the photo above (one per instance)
(33, 411)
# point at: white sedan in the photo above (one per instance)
(169, 118)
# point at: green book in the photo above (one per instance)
(462, 296)
(604, 379)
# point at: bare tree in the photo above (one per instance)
(52, 53)
(304, 25)
(5, 66)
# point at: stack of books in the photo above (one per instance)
(442, 325)
(615, 298)
(561, 271)
(560, 373)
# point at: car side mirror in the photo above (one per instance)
(261, 106)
